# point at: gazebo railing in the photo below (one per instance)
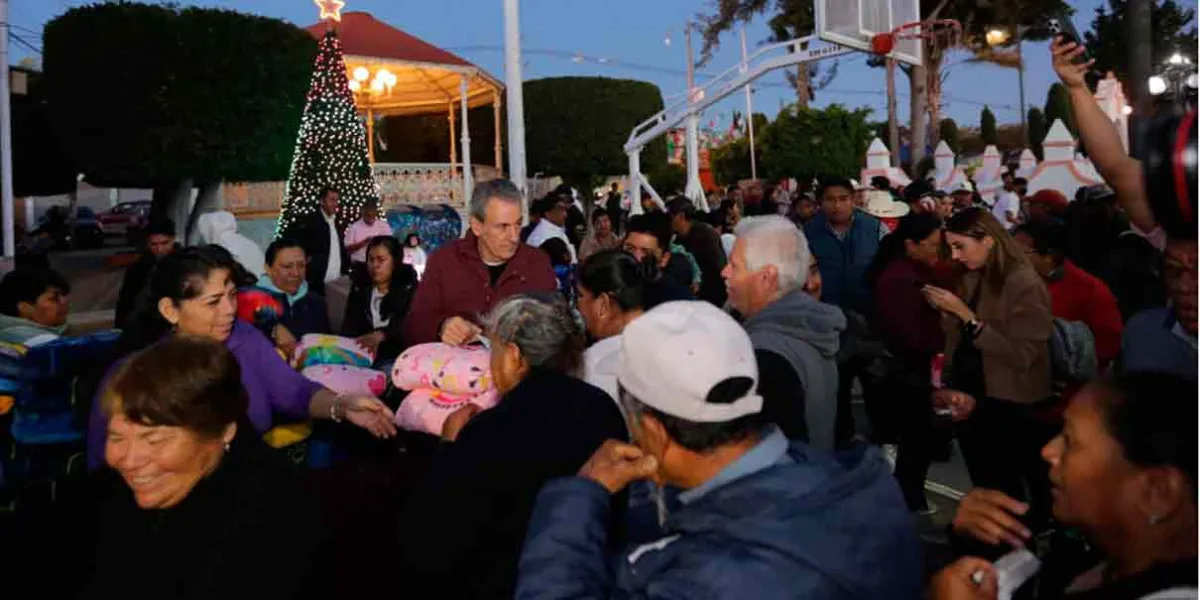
(399, 183)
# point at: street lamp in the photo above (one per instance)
(997, 36)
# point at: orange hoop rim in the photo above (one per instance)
(947, 29)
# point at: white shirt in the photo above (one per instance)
(1007, 203)
(545, 230)
(377, 321)
(600, 363)
(334, 269)
(416, 258)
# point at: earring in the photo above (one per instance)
(1154, 519)
(227, 446)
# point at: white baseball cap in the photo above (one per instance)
(674, 355)
(962, 186)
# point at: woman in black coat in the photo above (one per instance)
(375, 313)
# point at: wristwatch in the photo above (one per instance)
(333, 410)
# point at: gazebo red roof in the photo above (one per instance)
(362, 34)
(427, 78)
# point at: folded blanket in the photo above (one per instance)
(426, 409)
(348, 381)
(462, 371)
(320, 349)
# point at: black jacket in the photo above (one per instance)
(394, 307)
(464, 524)
(783, 394)
(137, 277)
(246, 530)
(313, 235)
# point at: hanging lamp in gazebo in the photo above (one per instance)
(393, 73)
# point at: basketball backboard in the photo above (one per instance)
(853, 23)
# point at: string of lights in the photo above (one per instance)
(331, 146)
(615, 63)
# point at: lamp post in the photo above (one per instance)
(365, 89)
(1174, 86)
(998, 36)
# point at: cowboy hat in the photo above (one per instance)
(880, 204)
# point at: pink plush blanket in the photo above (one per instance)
(441, 379)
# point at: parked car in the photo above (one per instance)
(88, 232)
(119, 219)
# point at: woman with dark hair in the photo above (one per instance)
(912, 333)
(998, 325)
(191, 293)
(1124, 475)
(195, 504)
(612, 293)
(464, 523)
(375, 314)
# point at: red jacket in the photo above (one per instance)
(1079, 296)
(456, 284)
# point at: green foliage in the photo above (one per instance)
(730, 162)
(1058, 106)
(668, 179)
(805, 143)
(948, 131)
(331, 147)
(144, 95)
(987, 127)
(1174, 29)
(576, 127)
(1036, 122)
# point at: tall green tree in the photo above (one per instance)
(1036, 122)
(1058, 106)
(162, 97)
(948, 131)
(804, 143)
(1174, 27)
(987, 127)
(576, 127)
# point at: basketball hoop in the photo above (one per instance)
(940, 33)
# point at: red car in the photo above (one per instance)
(126, 218)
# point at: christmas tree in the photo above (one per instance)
(331, 148)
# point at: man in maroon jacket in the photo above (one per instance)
(469, 276)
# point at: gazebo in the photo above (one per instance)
(393, 73)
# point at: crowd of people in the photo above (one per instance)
(677, 392)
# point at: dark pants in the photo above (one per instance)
(922, 434)
(879, 416)
(1002, 443)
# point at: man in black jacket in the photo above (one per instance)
(322, 240)
(702, 241)
(160, 241)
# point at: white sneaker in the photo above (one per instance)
(890, 452)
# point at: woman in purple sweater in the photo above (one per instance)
(192, 293)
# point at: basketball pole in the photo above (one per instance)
(694, 189)
(749, 110)
(516, 100)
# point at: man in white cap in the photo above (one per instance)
(963, 194)
(758, 516)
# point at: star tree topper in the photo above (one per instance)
(330, 9)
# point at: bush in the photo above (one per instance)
(576, 127)
(805, 143)
(145, 95)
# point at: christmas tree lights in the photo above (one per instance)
(331, 147)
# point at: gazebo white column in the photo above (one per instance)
(453, 142)
(499, 151)
(468, 185)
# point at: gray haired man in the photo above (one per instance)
(469, 276)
